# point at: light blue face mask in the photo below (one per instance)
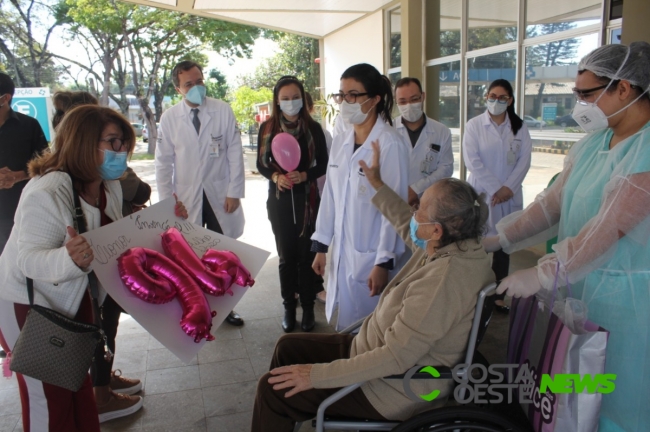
(422, 244)
(113, 166)
(196, 95)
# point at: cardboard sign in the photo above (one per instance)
(143, 229)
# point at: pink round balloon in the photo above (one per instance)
(141, 271)
(286, 151)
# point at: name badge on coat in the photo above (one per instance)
(215, 145)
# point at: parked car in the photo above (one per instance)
(566, 120)
(137, 127)
(145, 133)
(532, 122)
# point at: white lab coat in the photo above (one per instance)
(431, 159)
(213, 163)
(358, 236)
(485, 152)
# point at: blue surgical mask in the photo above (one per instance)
(196, 95)
(113, 166)
(422, 244)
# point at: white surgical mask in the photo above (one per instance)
(496, 107)
(411, 112)
(591, 118)
(589, 115)
(291, 107)
(352, 112)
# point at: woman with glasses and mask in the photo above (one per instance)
(112, 390)
(293, 193)
(497, 150)
(599, 207)
(91, 146)
(365, 248)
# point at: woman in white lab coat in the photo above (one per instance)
(496, 150)
(365, 249)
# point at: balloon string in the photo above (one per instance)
(294, 207)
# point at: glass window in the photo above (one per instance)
(443, 28)
(615, 36)
(396, 37)
(492, 23)
(394, 77)
(616, 9)
(443, 93)
(550, 75)
(552, 16)
(443, 102)
(481, 71)
(548, 101)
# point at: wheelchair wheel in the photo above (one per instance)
(464, 419)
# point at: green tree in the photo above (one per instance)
(26, 27)
(216, 85)
(243, 102)
(297, 58)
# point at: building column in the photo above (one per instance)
(412, 39)
(635, 21)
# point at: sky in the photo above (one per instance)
(262, 49)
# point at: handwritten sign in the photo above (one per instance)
(143, 229)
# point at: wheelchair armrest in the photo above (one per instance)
(352, 327)
(444, 371)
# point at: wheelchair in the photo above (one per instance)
(487, 418)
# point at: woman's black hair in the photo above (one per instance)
(515, 121)
(460, 210)
(375, 84)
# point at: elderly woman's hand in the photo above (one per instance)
(295, 377)
(372, 172)
(79, 249)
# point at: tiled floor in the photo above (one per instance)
(215, 391)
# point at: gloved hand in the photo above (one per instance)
(491, 244)
(522, 283)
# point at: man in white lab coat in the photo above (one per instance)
(431, 157)
(199, 157)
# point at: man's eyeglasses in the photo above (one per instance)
(414, 99)
(349, 98)
(492, 97)
(116, 143)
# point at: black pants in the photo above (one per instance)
(275, 413)
(100, 369)
(294, 250)
(209, 218)
(500, 267)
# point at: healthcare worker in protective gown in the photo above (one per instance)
(365, 250)
(600, 208)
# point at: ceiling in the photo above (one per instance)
(315, 18)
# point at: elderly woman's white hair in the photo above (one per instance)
(633, 62)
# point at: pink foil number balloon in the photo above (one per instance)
(286, 151)
(156, 279)
(215, 275)
(221, 261)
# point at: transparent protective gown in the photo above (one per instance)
(599, 207)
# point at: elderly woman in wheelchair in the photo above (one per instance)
(423, 317)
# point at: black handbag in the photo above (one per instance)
(52, 347)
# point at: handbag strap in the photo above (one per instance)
(79, 221)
